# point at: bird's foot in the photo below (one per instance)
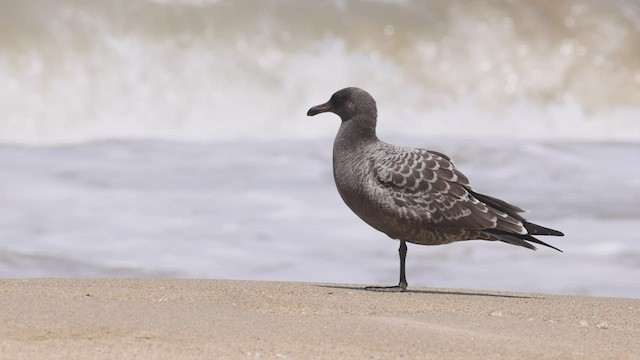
(396, 288)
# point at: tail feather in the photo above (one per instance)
(535, 229)
(513, 238)
(521, 240)
(534, 240)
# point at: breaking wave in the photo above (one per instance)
(78, 71)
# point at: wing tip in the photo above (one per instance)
(524, 241)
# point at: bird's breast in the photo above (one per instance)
(357, 185)
(352, 175)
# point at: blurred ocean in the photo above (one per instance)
(169, 138)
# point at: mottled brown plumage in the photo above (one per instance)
(413, 195)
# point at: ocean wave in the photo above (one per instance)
(77, 71)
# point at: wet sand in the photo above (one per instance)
(193, 319)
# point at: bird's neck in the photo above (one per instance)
(356, 132)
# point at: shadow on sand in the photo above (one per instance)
(435, 292)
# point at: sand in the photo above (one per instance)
(206, 319)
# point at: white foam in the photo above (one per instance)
(85, 74)
(270, 211)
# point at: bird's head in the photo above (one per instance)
(347, 103)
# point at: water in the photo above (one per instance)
(168, 138)
(269, 210)
(76, 71)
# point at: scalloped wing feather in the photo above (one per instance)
(426, 188)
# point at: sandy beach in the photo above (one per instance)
(188, 319)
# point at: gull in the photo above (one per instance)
(413, 195)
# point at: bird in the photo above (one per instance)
(413, 195)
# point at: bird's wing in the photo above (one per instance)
(425, 185)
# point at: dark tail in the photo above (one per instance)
(535, 229)
(517, 239)
(524, 240)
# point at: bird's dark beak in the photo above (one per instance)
(319, 109)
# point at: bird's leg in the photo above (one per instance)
(402, 285)
(402, 251)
